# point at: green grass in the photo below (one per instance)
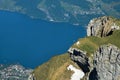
(91, 44)
(55, 69)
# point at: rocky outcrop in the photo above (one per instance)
(101, 27)
(106, 64)
(79, 57)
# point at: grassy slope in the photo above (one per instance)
(56, 68)
(91, 44)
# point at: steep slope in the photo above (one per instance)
(106, 63)
(75, 12)
(80, 55)
(54, 69)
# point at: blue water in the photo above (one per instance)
(32, 42)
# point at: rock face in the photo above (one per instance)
(80, 58)
(106, 63)
(101, 27)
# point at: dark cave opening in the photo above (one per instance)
(110, 33)
(93, 75)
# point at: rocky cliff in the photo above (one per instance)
(101, 27)
(79, 57)
(106, 63)
(93, 55)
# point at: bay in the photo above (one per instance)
(31, 42)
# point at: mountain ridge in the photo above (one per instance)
(77, 12)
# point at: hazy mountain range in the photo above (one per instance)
(73, 11)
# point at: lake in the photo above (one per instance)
(31, 42)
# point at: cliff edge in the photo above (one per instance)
(97, 55)
(106, 63)
(102, 26)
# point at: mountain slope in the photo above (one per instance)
(54, 69)
(80, 55)
(75, 12)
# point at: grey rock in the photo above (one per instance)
(107, 63)
(79, 57)
(101, 27)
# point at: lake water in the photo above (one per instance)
(31, 42)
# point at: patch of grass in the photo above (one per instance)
(55, 69)
(91, 44)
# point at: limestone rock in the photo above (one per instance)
(106, 63)
(101, 27)
(79, 57)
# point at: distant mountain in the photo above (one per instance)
(72, 11)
